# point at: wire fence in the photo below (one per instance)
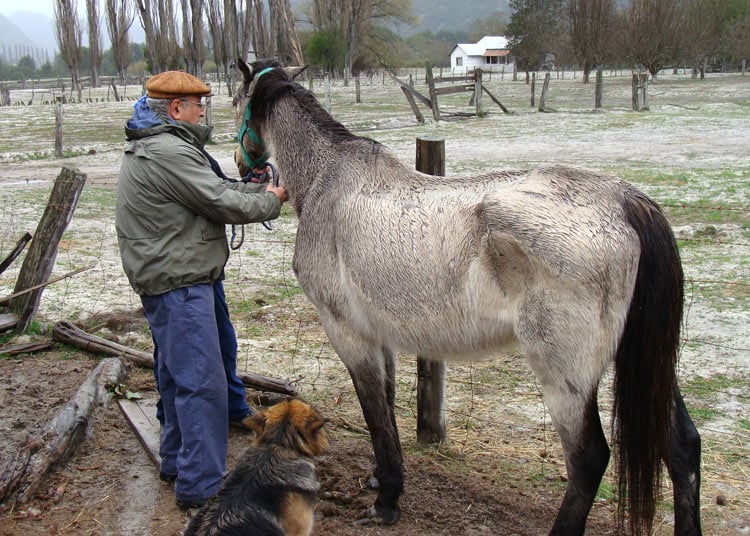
(493, 406)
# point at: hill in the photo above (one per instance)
(37, 26)
(439, 15)
(436, 16)
(26, 33)
(12, 35)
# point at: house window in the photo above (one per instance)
(459, 61)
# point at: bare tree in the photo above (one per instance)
(590, 23)
(245, 30)
(223, 27)
(652, 33)
(533, 31)
(708, 27)
(285, 41)
(193, 45)
(95, 40)
(261, 33)
(359, 15)
(358, 23)
(738, 38)
(159, 23)
(68, 35)
(119, 20)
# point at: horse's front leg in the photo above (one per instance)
(373, 372)
(374, 381)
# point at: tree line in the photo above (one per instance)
(351, 36)
(643, 34)
(184, 34)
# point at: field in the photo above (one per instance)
(501, 472)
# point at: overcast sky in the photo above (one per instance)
(8, 7)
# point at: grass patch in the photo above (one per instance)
(711, 387)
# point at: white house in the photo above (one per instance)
(490, 54)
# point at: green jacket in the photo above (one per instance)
(171, 209)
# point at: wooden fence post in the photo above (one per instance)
(114, 90)
(209, 115)
(478, 91)
(40, 259)
(327, 82)
(533, 88)
(599, 90)
(644, 91)
(5, 94)
(431, 426)
(635, 100)
(432, 93)
(59, 128)
(543, 96)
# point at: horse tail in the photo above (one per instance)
(645, 365)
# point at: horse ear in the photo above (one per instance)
(245, 69)
(294, 72)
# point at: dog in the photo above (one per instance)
(274, 488)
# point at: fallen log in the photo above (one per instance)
(62, 435)
(67, 332)
(264, 383)
(27, 348)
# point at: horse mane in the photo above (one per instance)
(277, 84)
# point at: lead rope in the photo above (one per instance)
(261, 162)
(259, 178)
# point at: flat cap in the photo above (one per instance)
(176, 84)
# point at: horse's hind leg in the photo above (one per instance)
(685, 470)
(586, 459)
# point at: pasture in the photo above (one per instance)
(501, 471)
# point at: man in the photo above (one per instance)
(170, 216)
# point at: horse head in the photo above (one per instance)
(251, 151)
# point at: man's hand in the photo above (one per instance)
(278, 191)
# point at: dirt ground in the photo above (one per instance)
(110, 485)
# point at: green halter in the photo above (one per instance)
(246, 130)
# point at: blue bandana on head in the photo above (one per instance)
(143, 116)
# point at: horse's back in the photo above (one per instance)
(569, 219)
(453, 264)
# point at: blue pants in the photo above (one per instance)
(193, 388)
(238, 408)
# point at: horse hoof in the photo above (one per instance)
(379, 516)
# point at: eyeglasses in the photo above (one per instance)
(201, 104)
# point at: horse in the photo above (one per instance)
(579, 269)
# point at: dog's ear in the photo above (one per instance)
(313, 436)
(257, 421)
(315, 422)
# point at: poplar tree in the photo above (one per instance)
(68, 34)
